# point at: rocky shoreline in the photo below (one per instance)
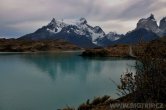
(122, 51)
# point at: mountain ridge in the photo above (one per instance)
(79, 32)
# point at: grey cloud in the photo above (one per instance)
(129, 10)
(139, 8)
(14, 13)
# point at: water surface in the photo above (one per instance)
(48, 81)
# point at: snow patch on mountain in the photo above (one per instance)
(55, 26)
(113, 36)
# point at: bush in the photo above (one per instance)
(149, 82)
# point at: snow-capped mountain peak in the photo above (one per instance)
(55, 26)
(55, 23)
(80, 27)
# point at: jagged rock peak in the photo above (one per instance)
(56, 23)
(151, 17)
(148, 24)
(83, 21)
(53, 21)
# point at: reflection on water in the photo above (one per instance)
(65, 64)
(47, 81)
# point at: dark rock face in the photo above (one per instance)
(163, 24)
(137, 36)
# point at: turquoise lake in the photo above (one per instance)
(48, 81)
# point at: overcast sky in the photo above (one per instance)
(19, 17)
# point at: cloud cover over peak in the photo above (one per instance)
(19, 17)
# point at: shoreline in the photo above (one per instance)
(59, 51)
(123, 57)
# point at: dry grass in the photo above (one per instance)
(113, 51)
(13, 45)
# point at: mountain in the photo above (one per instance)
(149, 24)
(77, 32)
(137, 36)
(80, 33)
(146, 30)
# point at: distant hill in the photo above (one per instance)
(13, 45)
(125, 50)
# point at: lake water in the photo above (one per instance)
(48, 81)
